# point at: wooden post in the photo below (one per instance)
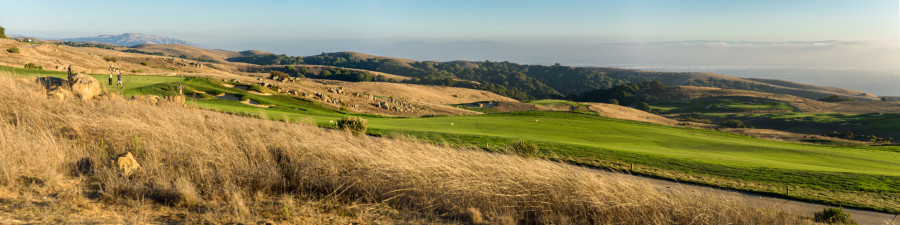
(787, 191)
(632, 167)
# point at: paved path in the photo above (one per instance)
(861, 216)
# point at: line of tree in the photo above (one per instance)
(144, 52)
(88, 45)
(836, 98)
(623, 94)
(522, 82)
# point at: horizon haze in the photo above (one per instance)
(834, 35)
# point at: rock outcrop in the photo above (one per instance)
(127, 164)
(84, 87)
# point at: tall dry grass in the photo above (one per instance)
(198, 160)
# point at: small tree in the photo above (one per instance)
(644, 106)
(13, 50)
(614, 101)
(2, 32)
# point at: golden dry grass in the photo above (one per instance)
(202, 166)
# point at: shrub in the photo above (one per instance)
(33, 66)
(614, 101)
(524, 148)
(834, 215)
(13, 50)
(278, 74)
(137, 71)
(354, 124)
(733, 123)
(111, 59)
(644, 106)
(836, 98)
(143, 64)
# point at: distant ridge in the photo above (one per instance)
(131, 39)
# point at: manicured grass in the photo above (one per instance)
(133, 83)
(837, 175)
(864, 177)
(884, 125)
(699, 145)
(722, 105)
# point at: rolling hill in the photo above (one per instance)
(526, 82)
(130, 39)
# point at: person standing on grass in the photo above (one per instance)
(180, 89)
(119, 81)
(110, 79)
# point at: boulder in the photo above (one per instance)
(51, 82)
(152, 99)
(177, 99)
(127, 164)
(58, 93)
(84, 86)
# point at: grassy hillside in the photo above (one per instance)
(720, 105)
(207, 167)
(849, 176)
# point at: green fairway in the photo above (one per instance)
(866, 177)
(696, 145)
(722, 105)
(132, 83)
(870, 121)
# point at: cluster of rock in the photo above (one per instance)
(81, 86)
(191, 64)
(397, 106)
(283, 79)
(156, 100)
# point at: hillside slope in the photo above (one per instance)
(206, 167)
(688, 93)
(772, 86)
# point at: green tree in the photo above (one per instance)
(644, 106)
(2, 32)
(884, 99)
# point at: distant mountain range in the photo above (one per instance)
(131, 39)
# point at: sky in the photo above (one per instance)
(657, 33)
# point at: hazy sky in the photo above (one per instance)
(527, 31)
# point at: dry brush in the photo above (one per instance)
(200, 160)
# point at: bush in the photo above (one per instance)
(33, 66)
(834, 215)
(278, 74)
(111, 59)
(836, 98)
(354, 124)
(143, 64)
(137, 71)
(733, 123)
(524, 148)
(644, 106)
(13, 50)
